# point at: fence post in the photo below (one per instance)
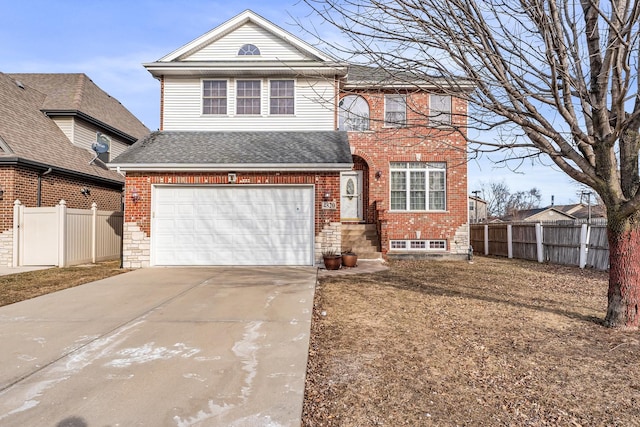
(583, 245)
(62, 233)
(94, 234)
(539, 243)
(17, 219)
(486, 239)
(509, 241)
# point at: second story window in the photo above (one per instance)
(353, 114)
(214, 97)
(248, 97)
(440, 110)
(281, 97)
(248, 50)
(395, 110)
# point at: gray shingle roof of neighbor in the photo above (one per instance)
(76, 92)
(27, 135)
(239, 148)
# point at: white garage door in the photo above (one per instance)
(238, 225)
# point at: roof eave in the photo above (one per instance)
(230, 167)
(93, 121)
(234, 69)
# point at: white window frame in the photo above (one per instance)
(238, 98)
(411, 170)
(226, 97)
(249, 49)
(417, 245)
(393, 100)
(272, 97)
(439, 111)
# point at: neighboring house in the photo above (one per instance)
(577, 211)
(477, 210)
(270, 152)
(48, 123)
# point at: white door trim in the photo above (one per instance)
(351, 196)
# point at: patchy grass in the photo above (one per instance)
(22, 286)
(496, 342)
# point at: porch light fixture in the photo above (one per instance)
(85, 191)
(327, 196)
(378, 174)
(1, 194)
(135, 196)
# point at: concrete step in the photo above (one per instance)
(361, 239)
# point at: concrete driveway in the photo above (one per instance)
(224, 346)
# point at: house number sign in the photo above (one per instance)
(329, 205)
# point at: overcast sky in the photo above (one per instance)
(109, 40)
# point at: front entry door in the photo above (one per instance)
(351, 196)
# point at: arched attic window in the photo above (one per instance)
(353, 114)
(249, 50)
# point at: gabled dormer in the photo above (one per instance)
(247, 73)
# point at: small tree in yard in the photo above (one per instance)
(561, 76)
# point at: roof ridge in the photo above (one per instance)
(80, 86)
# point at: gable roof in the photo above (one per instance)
(77, 94)
(238, 151)
(181, 62)
(31, 138)
(236, 22)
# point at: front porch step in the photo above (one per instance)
(361, 239)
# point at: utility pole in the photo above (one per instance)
(475, 209)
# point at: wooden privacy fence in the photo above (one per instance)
(62, 237)
(562, 242)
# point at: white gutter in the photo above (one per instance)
(235, 167)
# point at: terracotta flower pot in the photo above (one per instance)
(349, 259)
(332, 262)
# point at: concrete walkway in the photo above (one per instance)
(160, 347)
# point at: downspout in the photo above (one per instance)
(40, 175)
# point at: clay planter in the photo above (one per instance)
(332, 262)
(349, 259)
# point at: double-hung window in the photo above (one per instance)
(248, 97)
(418, 186)
(281, 97)
(395, 110)
(440, 110)
(214, 97)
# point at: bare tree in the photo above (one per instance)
(557, 78)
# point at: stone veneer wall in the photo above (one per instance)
(6, 248)
(137, 247)
(330, 238)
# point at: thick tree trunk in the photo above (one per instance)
(624, 274)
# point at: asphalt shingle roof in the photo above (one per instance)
(250, 148)
(26, 134)
(77, 92)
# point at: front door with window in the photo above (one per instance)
(351, 196)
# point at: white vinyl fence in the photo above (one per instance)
(62, 237)
(562, 242)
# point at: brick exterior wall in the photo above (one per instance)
(21, 183)
(138, 213)
(379, 146)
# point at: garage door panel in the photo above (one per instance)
(262, 225)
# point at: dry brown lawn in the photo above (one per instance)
(22, 286)
(496, 342)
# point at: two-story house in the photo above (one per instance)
(48, 124)
(270, 152)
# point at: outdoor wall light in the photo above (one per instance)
(378, 174)
(1, 193)
(135, 196)
(327, 196)
(85, 192)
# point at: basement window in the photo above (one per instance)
(418, 245)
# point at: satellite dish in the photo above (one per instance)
(101, 145)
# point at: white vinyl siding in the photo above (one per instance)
(65, 123)
(85, 136)
(183, 103)
(271, 47)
